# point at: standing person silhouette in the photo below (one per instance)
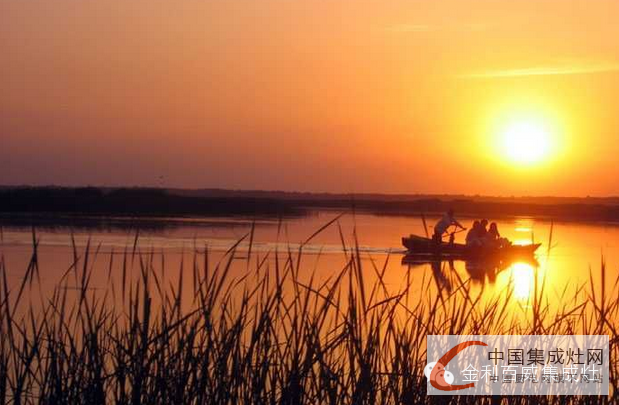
(443, 224)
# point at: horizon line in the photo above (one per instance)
(333, 193)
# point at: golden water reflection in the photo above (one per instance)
(522, 280)
(563, 269)
(491, 276)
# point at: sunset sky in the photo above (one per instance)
(475, 97)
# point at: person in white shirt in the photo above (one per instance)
(441, 226)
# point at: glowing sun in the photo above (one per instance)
(526, 142)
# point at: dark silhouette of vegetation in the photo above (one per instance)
(133, 202)
(477, 209)
(143, 202)
(265, 336)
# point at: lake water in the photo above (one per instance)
(571, 262)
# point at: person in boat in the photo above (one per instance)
(443, 224)
(472, 237)
(483, 229)
(493, 232)
(493, 237)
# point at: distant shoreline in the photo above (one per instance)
(67, 203)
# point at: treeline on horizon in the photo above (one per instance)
(162, 202)
(133, 202)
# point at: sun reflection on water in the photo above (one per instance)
(522, 277)
(522, 241)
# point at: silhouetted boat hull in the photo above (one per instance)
(420, 246)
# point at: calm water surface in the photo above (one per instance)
(576, 249)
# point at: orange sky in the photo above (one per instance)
(342, 96)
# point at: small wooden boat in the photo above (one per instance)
(420, 246)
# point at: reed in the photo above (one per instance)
(267, 336)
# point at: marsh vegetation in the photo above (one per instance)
(274, 334)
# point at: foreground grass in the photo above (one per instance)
(271, 335)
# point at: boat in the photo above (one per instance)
(420, 246)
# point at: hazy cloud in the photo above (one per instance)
(415, 28)
(544, 71)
